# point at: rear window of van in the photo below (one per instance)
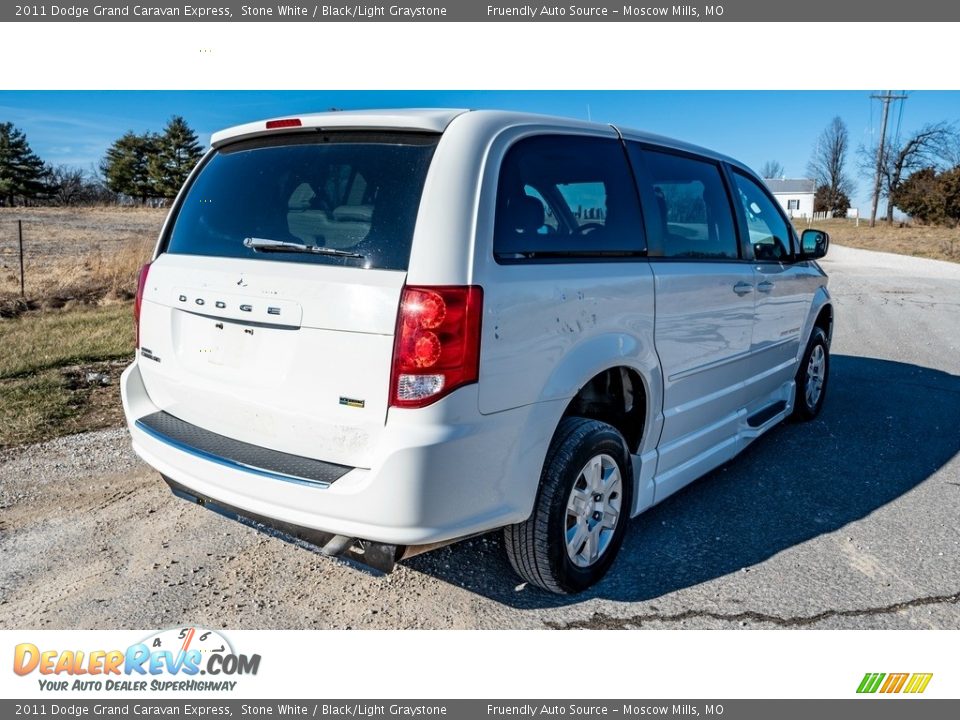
(355, 194)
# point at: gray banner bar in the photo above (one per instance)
(485, 11)
(873, 708)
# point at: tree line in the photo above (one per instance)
(137, 168)
(919, 172)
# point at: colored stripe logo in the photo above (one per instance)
(912, 683)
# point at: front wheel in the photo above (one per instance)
(812, 377)
(581, 511)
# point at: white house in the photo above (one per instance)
(795, 195)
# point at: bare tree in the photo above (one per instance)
(951, 151)
(936, 145)
(828, 164)
(66, 184)
(97, 192)
(771, 169)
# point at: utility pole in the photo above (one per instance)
(886, 99)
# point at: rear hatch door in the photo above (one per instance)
(268, 316)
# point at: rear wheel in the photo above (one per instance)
(812, 377)
(581, 511)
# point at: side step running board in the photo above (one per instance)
(764, 415)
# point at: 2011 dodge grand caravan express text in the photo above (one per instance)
(384, 331)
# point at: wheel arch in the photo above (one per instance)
(601, 356)
(619, 362)
(824, 321)
(821, 315)
(617, 396)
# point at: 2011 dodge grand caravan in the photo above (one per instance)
(384, 331)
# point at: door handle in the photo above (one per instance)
(765, 287)
(742, 288)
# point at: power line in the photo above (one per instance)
(886, 99)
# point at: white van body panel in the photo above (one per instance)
(784, 298)
(263, 381)
(432, 478)
(703, 333)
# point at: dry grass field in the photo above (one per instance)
(74, 256)
(938, 243)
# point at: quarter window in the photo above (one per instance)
(692, 213)
(566, 196)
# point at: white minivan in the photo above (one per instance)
(380, 332)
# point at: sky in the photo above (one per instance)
(76, 127)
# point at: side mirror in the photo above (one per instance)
(813, 244)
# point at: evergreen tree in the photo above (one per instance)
(931, 197)
(177, 152)
(950, 187)
(22, 172)
(126, 166)
(835, 203)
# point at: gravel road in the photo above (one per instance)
(847, 522)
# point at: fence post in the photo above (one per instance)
(23, 293)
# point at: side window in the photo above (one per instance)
(566, 196)
(769, 233)
(692, 211)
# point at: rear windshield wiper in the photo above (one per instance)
(267, 245)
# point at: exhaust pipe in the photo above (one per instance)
(337, 545)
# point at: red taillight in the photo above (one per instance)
(138, 301)
(437, 346)
(285, 123)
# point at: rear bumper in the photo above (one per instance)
(238, 455)
(440, 473)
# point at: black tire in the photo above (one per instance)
(803, 408)
(537, 547)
